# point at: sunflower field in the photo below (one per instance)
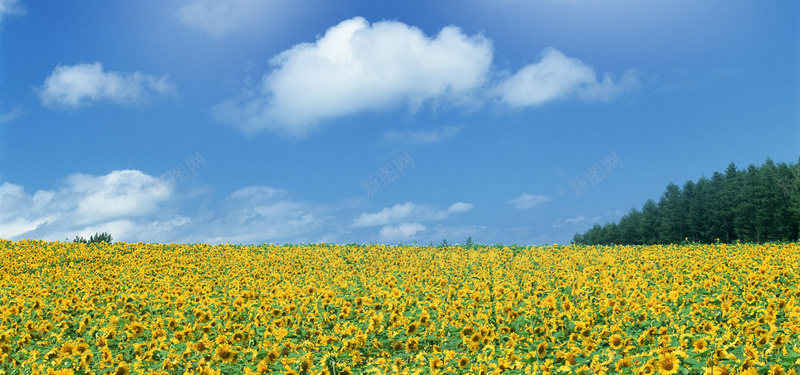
(126, 308)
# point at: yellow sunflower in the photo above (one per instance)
(412, 328)
(776, 370)
(717, 370)
(668, 364)
(615, 341)
(700, 345)
(225, 353)
(541, 349)
(122, 370)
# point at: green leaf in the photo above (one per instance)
(694, 362)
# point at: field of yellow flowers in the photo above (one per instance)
(125, 308)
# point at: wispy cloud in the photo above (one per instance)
(83, 84)
(355, 67)
(401, 232)
(423, 137)
(408, 211)
(557, 76)
(223, 17)
(10, 7)
(13, 114)
(575, 221)
(136, 207)
(526, 201)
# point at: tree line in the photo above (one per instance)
(757, 204)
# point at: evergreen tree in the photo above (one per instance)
(757, 204)
(651, 223)
(673, 219)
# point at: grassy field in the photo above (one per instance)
(122, 308)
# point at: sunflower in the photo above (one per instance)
(412, 344)
(463, 362)
(475, 339)
(205, 370)
(466, 332)
(122, 370)
(646, 369)
(136, 329)
(436, 363)
(412, 328)
(776, 370)
(306, 365)
(615, 341)
(106, 353)
(717, 370)
(700, 345)
(541, 349)
(763, 341)
(87, 357)
(622, 363)
(779, 342)
(225, 353)
(668, 364)
(201, 345)
(263, 367)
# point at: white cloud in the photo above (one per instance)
(400, 232)
(575, 221)
(357, 67)
(526, 201)
(557, 76)
(433, 136)
(82, 84)
(10, 7)
(460, 207)
(221, 17)
(127, 193)
(13, 114)
(81, 201)
(408, 211)
(132, 205)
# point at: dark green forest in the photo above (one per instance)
(757, 204)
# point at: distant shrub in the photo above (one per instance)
(97, 238)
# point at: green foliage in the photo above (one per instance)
(96, 238)
(756, 204)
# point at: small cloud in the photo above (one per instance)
(460, 207)
(407, 212)
(221, 17)
(13, 114)
(10, 7)
(356, 67)
(82, 84)
(578, 220)
(400, 232)
(426, 137)
(526, 201)
(557, 76)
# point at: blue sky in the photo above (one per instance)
(510, 121)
